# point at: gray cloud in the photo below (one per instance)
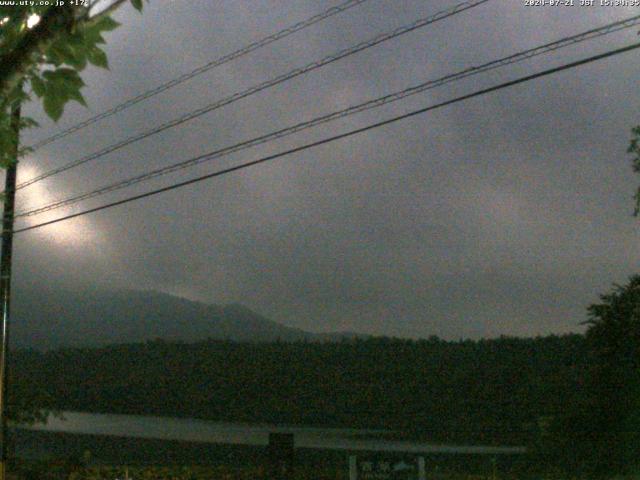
(506, 214)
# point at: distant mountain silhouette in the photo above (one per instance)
(51, 319)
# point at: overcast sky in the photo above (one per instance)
(505, 214)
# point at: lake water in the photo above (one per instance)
(169, 428)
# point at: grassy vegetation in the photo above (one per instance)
(91, 457)
(56, 472)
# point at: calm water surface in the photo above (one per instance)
(169, 428)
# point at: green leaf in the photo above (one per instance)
(38, 86)
(137, 4)
(91, 35)
(76, 56)
(79, 62)
(61, 52)
(54, 57)
(98, 58)
(53, 106)
(76, 39)
(77, 96)
(106, 24)
(63, 78)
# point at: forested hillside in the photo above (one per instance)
(487, 391)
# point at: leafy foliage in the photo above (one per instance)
(598, 436)
(489, 391)
(54, 71)
(137, 4)
(634, 148)
(614, 341)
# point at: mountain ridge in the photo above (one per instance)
(50, 319)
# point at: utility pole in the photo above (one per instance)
(5, 282)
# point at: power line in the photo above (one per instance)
(262, 86)
(350, 133)
(514, 58)
(202, 69)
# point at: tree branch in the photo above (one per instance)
(107, 11)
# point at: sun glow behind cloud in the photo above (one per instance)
(77, 232)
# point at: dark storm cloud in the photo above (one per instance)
(504, 214)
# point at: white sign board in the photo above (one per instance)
(382, 467)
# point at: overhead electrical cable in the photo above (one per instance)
(334, 138)
(202, 69)
(511, 59)
(260, 87)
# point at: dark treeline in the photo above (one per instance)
(487, 391)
